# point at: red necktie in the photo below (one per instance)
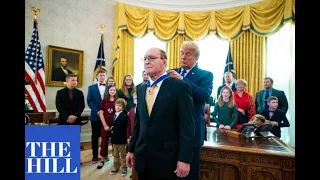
(70, 94)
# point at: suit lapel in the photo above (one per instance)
(142, 99)
(164, 89)
(96, 91)
(117, 118)
(191, 74)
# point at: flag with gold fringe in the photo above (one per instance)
(35, 72)
(100, 62)
(229, 65)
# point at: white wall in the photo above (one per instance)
(73, 24)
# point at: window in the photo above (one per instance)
(280, 54)
(141, 46)
(213, 55)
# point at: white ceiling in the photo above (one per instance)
(188, 5)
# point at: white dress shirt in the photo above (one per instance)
(156, 89)
(64, 70)
(117, 114)
(188, 70)
(102, 90)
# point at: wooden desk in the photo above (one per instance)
(228, 158)
(225, 157)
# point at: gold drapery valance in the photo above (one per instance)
(263, 18)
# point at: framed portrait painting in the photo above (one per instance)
(61, 62)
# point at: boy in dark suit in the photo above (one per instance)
(275, 116)
(70, 102)
(119, 137)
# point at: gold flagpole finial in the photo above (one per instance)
(102, 28)
(35, 11)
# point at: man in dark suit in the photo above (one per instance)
(161, 141)
(261, 96)
(96, 93)
(228, 78)
(60, 73)
(201, 84)
(145, 78)
(70, 102)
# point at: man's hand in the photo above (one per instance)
(71, 118)
(174, 74)
(227, 127)
(182, 169)
(130, 159)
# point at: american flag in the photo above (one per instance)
(100, 63)
(35, 72)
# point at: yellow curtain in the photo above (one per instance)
(247, 54)
(124, 65)
(262, 18)
(173, 51)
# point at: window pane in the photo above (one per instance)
(140, 48)
(213, 55)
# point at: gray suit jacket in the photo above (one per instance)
(283, 102)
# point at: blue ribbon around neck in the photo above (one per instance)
(165, 76)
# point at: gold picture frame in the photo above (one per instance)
(62, 61)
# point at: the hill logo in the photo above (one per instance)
(52, 152)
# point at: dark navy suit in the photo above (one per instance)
(201, 82)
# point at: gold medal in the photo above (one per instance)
(149, 90)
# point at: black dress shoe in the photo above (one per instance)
(100, 165)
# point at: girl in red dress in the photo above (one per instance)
(107, 111)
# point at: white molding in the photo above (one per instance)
(85, 112)
(188, 5)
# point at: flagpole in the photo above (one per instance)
(35, 12)
(229, 56)
(102, 28)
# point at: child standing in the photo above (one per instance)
(106, 113)
(226, 110)
(275, 116)
(119, 137)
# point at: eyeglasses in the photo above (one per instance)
(150, 58)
